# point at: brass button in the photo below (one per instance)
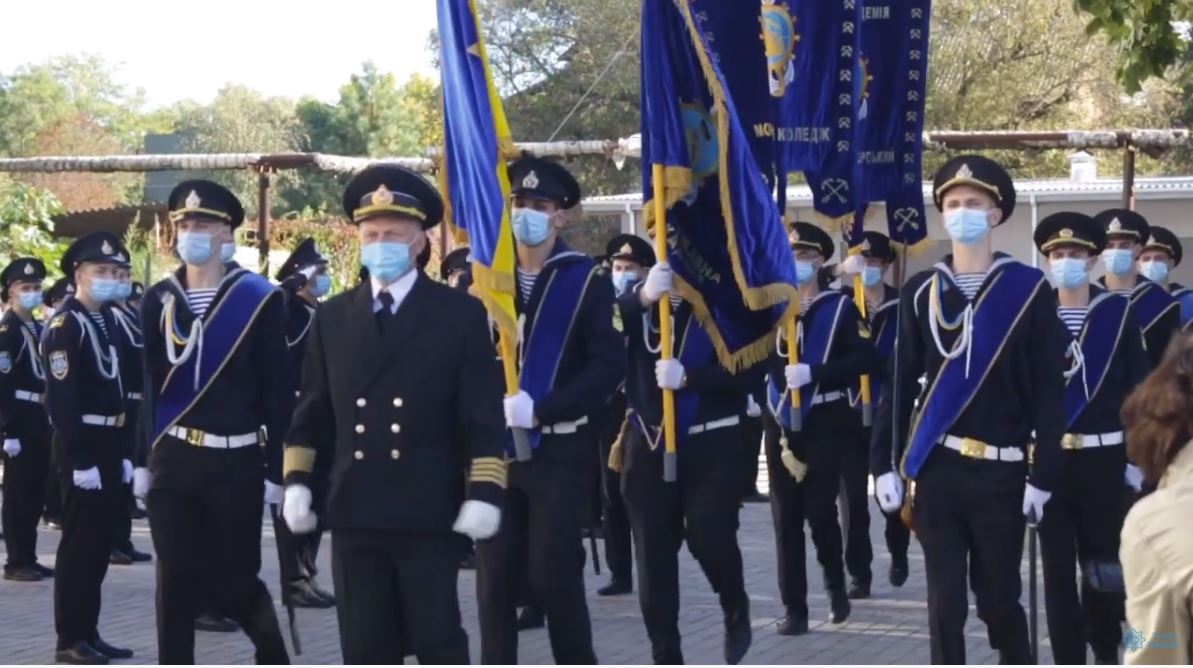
(360, 429)
(398, 402)
(395, 428)
(359, 454)
(360, 403)
(395, 454)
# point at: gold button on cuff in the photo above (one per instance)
(360, 429)
(360, 403)
(359, 454)
(395, 454)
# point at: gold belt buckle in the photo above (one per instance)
(1071, 442)
(194, 437)
(972, 447)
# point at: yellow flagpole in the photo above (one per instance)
(859, 298)
(797, 420)
(665, 352)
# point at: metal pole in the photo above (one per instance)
(1035, 221)
(1129, 178)
(263, 222)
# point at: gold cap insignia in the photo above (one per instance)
(531, 180)
(1115, 225)
(28, 269)
(794, 236)
(1066, 233)
(382, 196)
(193, 201)
(865, 244)
(626, 250)
(1151, 241)
(964, 172)
(120, 257)
(106, 248)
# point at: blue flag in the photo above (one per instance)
(727, 244)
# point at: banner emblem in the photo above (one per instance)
(779, 38)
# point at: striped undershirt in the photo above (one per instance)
(98, 319)
(200, 299)
(1073, 317)
(969, 283)
(526, 284)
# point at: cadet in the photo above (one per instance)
(85, 404)
(305, 281)
(1157, 312)
(834, 349)
(51, 300)
(572, 362)
(456, 269)
(983, 330)
(1161, 254)
(222, 396)
(400, 395)
(23, 418)
(702, 505)
(1106, 360)
(882, 309)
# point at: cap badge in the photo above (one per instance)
(193, 201)
(865, 244)
(382, 196)
(1151, 241)
(1066, 233)
(626, 250)
(964, 172)
(1115, 225)
(120, 257)
(794, 236)
(531, 180)
(28, 269)
(106, 248)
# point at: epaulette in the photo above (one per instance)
(58, 321)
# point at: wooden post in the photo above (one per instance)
(670, 463)
(1129, 177)
(263, 221)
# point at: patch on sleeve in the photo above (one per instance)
(5, 362)
(863, 330)
(59, 364)
(58, 321)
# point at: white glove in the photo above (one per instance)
(142, 479)
(126, 474)
(478, 520)
(88, 479)
(798, 375)
(1034, 499)
(296, 509)
(658, 283)
(273, 494)
(12, 447)
(1131, 475)
(888, 489)
(519, 411)
(668, 374)
(852, 265)
(752, 408)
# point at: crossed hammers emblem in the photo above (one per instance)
(835, 189)
(906, 216)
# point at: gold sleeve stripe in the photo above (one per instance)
(489, 469)
(494, 479)
(297, 458)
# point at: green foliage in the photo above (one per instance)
(1145, 33)
(26, 214)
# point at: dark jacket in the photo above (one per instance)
(21, 371)
(1128, 368)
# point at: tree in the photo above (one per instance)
(1146, 33)
(26, 222)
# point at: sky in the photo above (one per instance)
(188, 50)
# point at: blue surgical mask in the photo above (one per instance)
(30, 300)
(871, 276)
(804, 271)
(967, 226)
(227, 252)
(103, 289)
(123, 290)
(1118, 261)
(194, 247)
(386, 260)
(623, 280)
(531, 227)
(1069, 272)
(322, 286)
(1154, 270)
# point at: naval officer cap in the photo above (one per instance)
(1161, 238)
(204, 200)
(544, 179)
(806, 236)
(1124, 224)
(393, 192)
(1069, 228)
(631, 248)
(101, 247)
(22, 270)
(138, 290)
(878, 246)
(58, 291)
(304, 255)
(455, 261)
(977, 172)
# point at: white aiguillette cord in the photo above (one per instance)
(112, 372)
(964, 343)
(194, 340)
(1078, 364)
(34, 360)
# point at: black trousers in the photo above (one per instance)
(397, 596)
(24, 496)
(88, 525)
(813, 500)
(296, 554)
(206, 527)
(614, 520)
(702, 507)
(545, 507)
(53, 500)
(855, 474)
(968, 515)
(751, 439)
(1081, 523)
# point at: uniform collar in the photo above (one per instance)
(398, 289)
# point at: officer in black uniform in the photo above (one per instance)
(702, 505)
(23, 423)
(835, 349)
(573, 361)
(400, 393)
(222, 396)
(1161, 254)
(85, 402)
(51, 299)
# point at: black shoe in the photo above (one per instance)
(44, 571)
(321, 592)
(109, 651)
(793, 624)
(898, 572)
(839, 606)
(616, 587)
(858, 589)
(300, 594)
(215, 624)
(119, 558)
(531, 618)
(138, 556)
(80, 654)
(738, 634)
(22, 574)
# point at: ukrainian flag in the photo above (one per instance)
(477, 143)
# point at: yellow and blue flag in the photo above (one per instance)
(476, 145)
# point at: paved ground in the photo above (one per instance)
(888, 628)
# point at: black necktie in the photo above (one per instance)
(386, 314)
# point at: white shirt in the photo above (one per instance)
(399, 289)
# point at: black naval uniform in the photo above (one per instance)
(615, 523)
(702, 505)
(130, 343)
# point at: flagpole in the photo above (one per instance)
(665, 352)
(509, 366)
(797, 418)
(859, 298)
